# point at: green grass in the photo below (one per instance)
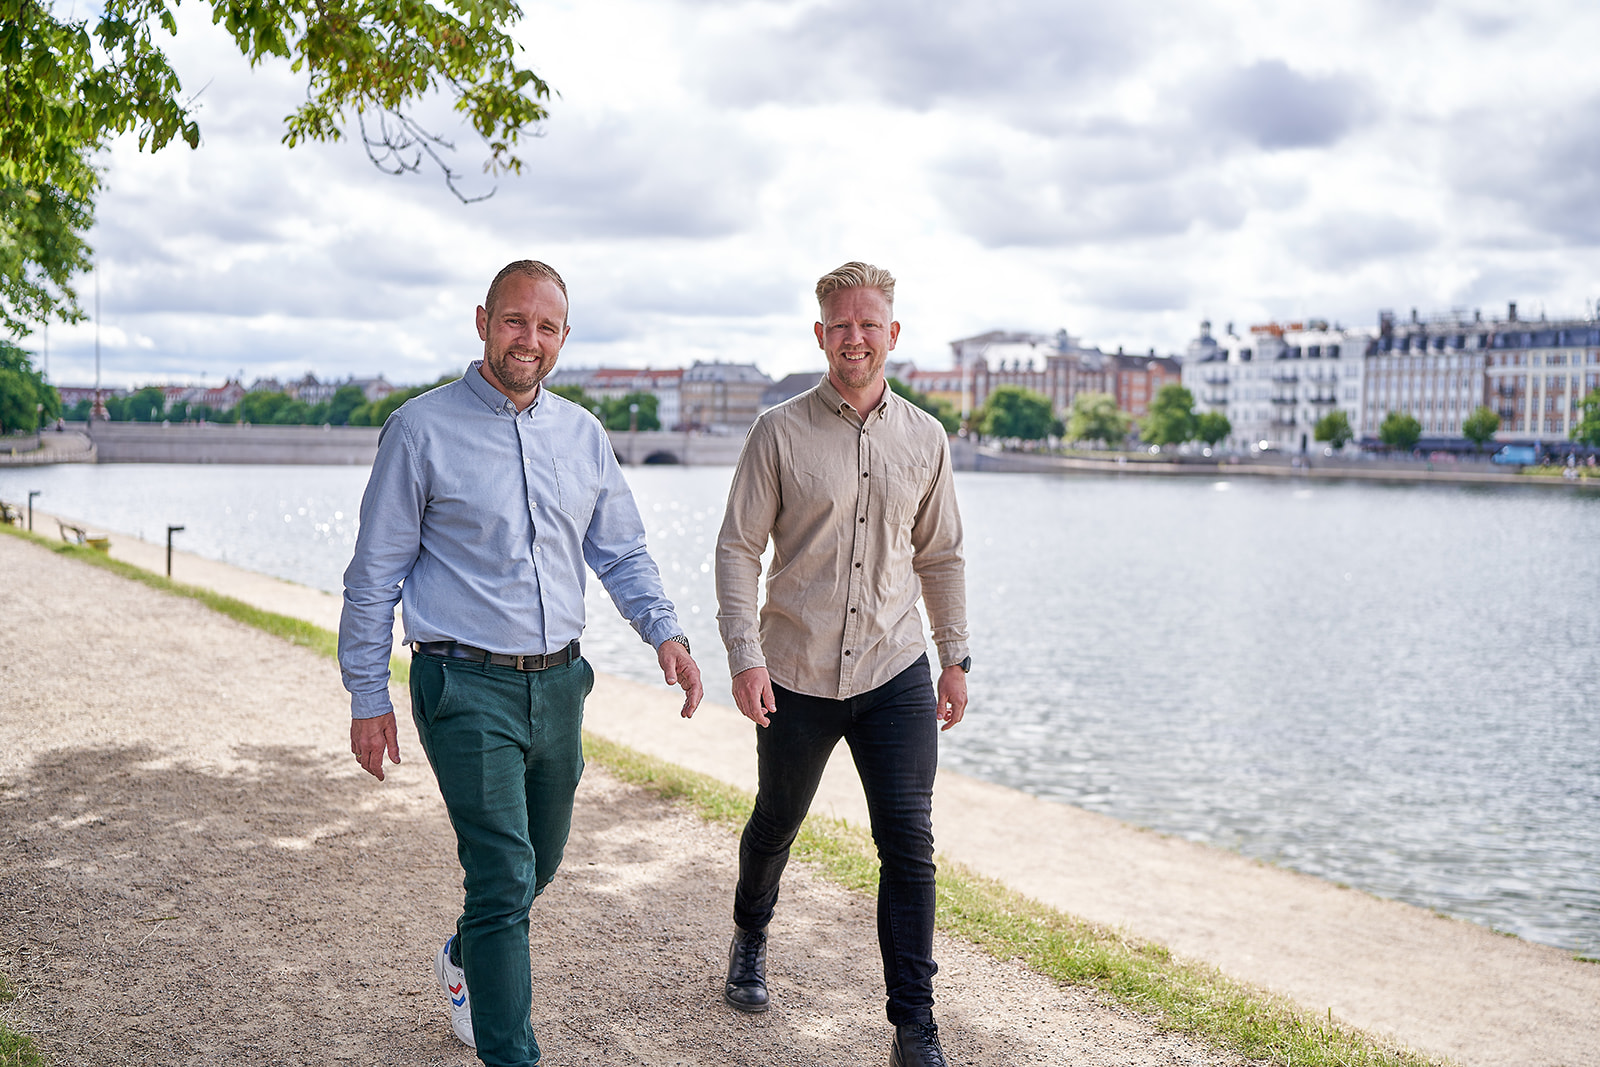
(16, 1049)
(1174, 994)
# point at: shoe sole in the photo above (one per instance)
(748, 1009)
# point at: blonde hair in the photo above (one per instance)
(856, 275)
(531, 268)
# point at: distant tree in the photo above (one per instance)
(147, 405)
(616, 416)
(80, 411)
(576, 394)
(1096, 417)
(1171, 420)
(344, 400)
(378, 412)
(117, 408)
(268, 409)
(1480, 427)
(939, 409)
(1334, 428)
(1014, 412)
(1400, 431)
(23, 391)
(1212, 427)
(1586, 430)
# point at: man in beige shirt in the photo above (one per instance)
(852, 485)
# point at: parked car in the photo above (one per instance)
(1517, 455)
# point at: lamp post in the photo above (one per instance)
(170, 531)
(31, 494)
(633, 433)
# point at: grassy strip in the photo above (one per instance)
(16, 1049)
(1178, 995)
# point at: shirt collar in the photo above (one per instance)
(493, 398)
(840, 406)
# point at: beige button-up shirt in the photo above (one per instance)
(863, 521)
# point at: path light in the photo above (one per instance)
(31, 494)
(170, 531)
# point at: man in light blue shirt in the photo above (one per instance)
(488, 498)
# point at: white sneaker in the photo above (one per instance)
(453, 980)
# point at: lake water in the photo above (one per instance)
(1397, 688)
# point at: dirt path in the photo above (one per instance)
(192, 871)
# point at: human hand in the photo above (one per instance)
(952, 699)
(752, 691)
(370, 738)
(679, 668)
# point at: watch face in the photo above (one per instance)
(966, 665)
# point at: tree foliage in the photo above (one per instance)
(23, 391)
(1400, 431)
(72, 87)
(1586, 430)
(377, 412)
(1334, 428)
(1212, 427)
(1481, 426)
(1014, 412)
(939, 409)
(1096, 417)
(1171, 420)
(616, 416)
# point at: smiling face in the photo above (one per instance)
(522, 335)
(857, 332)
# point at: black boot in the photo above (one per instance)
(917, 1045)
(747, 971)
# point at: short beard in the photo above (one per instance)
(513, 375)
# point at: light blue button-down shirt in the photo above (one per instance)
(479, 521)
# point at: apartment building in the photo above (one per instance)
(721, 397)
(1278, 380)
(1056, 365)
(1537, 374)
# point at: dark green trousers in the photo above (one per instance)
(507, 749)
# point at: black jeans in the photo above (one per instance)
(894, 740)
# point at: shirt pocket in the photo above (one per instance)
(907, 483)
(577, 486)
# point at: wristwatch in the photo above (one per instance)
(684, 641)
(965, 665)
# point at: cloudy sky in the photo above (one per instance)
(1119, 168)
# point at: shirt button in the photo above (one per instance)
(536, 548)
(534, 505)
(863, 474)
(852, 611)
(847, 651)
(858, 566)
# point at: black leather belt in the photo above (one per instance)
(456, 650)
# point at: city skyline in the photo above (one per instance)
(1122, 170)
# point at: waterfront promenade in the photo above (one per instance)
(1440, 985)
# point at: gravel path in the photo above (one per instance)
(193, 871)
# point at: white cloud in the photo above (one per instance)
(1118, 169)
